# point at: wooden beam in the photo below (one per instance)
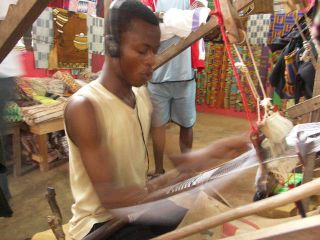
(183, 44)
(306, 228)
(19, 18)
(303, 108)
(241, 4)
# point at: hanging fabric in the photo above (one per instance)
(258, 29)
(42, 31)
(281, 25)
(71, 43)
(83, 6)
(95, 27)
(59, 4)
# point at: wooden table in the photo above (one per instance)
(41, 130)
(14, 130)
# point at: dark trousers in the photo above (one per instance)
(151, 226)
(6, 94)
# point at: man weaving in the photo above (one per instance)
(108, 122)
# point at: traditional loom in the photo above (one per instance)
(21, 16)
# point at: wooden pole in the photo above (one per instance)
(18, 20)
(303, 191)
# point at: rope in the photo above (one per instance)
(218, 14)
(244, 69)
(255, 66)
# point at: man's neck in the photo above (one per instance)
(117, 86)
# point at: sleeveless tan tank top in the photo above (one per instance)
(123, 140)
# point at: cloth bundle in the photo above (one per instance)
(68, 80)
(56, 86)
(42, 113)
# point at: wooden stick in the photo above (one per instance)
(51, 197)
(56, 227)
(293, 195)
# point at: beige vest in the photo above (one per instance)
(124, 142)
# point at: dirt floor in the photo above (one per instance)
(28, 191)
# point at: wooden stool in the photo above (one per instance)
(14, 130)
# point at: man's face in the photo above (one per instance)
(138, 48)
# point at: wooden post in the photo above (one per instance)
(315, 115)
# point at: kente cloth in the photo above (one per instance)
(217, 86)
(42, 30)
(281, 24)
(258, 29)
(95, 27)
(83, 6)
(71, 43)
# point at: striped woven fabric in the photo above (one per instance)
(217, 86)
(281, 24)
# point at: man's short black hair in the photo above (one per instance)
(120, 19)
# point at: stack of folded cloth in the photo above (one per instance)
(43, 112)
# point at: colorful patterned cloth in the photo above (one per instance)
(95, 37)
(12, 112)
(258, 29)
(217, 86)
(71, 43)
(281, 24)
(42, 30)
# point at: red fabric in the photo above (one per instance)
(196, 62)
(97, 62)
(229, 229)
(56, 4)
(27, 60)
(150, 4)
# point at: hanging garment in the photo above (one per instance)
(291, 70)
(42, 30)
(71, 44)
(100, 8)
(258, 29)
(277, 77)
(95, 27)
(304, 81)
(83, 6)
